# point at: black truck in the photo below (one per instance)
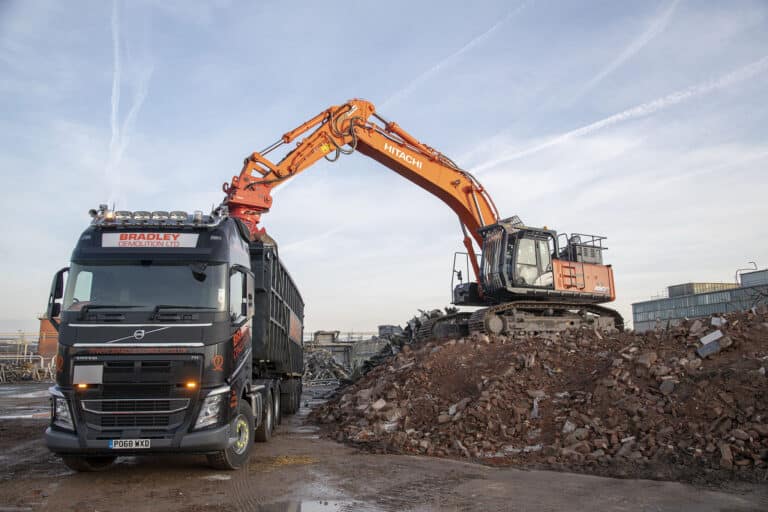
(177, 334)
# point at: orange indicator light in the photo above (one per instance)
(82, 386)
(191, 385)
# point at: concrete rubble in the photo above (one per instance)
(623, 404)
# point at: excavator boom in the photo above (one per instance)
(352, 126)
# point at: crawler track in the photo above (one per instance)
(521, 317)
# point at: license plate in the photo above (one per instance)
(129, 444)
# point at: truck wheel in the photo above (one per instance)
(241, 441)
(277, 407)
(87, 464)
(264, 432)
(288, 398)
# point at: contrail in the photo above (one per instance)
(657, 27)
(405, 91)
(646, 109)
(120, 133)
(140, 94)
(116, 77)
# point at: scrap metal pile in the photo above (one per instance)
(19, 371)
(319, 365)
(687, 403)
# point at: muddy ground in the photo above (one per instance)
(298, 471)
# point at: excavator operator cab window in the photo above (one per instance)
(529, 260)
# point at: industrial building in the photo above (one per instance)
(691, 300)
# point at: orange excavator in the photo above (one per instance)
(527, 279)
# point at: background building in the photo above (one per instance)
(692, 300)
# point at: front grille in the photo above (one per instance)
(136, 390)
(144, 421)
(141, 395)
(135, 406)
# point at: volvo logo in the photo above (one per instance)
(138, 334)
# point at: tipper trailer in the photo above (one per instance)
(178, 333)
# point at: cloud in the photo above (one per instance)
(643, 110)
(120, 134)
(474, 42)
(657, 26)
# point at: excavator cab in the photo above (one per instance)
(517, 256)
(525, 263)
(528, 259)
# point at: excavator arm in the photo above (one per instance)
(343, 130)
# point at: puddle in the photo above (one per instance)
(35, 394)
(34, 416)
(317, 506)
(307, 429)
(24, 413)
(25, 390)
(217, 477)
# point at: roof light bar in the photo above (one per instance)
(104, 216)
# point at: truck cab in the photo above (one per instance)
(156, 316)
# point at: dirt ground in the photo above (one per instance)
(298, 471)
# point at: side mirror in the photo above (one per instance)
(57, 292)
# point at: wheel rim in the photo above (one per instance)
(268, 421)
(242, 434)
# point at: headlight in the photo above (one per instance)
(61, 414)
(210, 412)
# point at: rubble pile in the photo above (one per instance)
(319, 364)
(683, 403)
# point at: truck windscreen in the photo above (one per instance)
(146, 284)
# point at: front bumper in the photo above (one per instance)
(206, 441)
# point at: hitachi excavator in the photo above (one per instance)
(527, 280)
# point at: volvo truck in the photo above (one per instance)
(178, 333)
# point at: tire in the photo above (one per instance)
(277, 407)
(88, 464)
(241, 431)
(289, 400)
(264, 432)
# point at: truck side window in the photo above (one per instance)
(80, 294)
(236, 295)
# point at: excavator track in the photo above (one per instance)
(542, 317)
(444, 327)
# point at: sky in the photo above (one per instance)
(643, 121)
